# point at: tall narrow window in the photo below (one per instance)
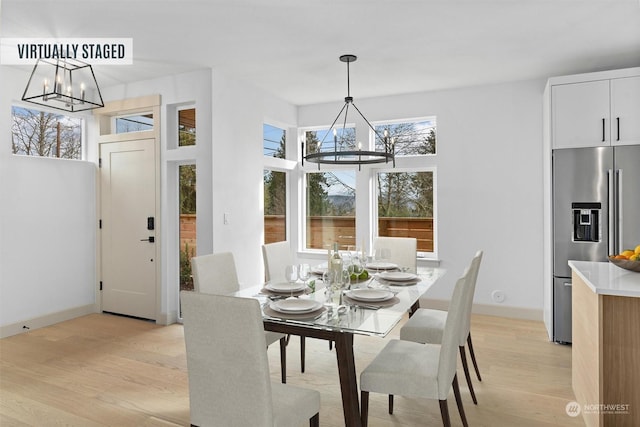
(186, 127)
(405, 206)
(330, 209)
(187, 200)
(275, 206)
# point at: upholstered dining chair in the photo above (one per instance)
(402, 250)
(216, 274)
(228, 368)
(427, 325)
(276, 257)
(418, 370)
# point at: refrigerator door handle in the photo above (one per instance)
(619, 201)
(611, 212)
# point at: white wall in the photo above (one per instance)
(239, 111)
(489, 182)
(47, 226)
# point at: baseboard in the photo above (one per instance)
(489, 309)
(46, 320)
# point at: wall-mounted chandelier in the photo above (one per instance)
(64, 84)
(352, 154)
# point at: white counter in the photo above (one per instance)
(606, 279)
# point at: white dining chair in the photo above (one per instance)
(276, 257)
(402, 250)
(216, 274)
(228, 367)
(417, 370)
(427, 325)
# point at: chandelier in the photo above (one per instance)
(353, 154)
(64, 84)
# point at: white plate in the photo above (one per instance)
(381, 265)
(370, 294)
(285, 287)
(296, 305)
(319, 270)
(397, 276)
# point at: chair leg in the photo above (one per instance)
(473, 356)
(456, 393)
(463, 357)
(391, 404)
(330, 345)
(364, 408)
(302, 352)
(283, 359)
(444, 411)
(315, 420)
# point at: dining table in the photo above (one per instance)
(340, 321)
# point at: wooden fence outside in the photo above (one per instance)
(323, 230)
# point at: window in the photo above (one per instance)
(274, 141)
(275, 206)
(405, 206)
(187, 200)
(45, 134)
(321, 140)
(330, 208)
(186, 127)
(275, 177)
(410, 138)
(134, 123)
(398, 202)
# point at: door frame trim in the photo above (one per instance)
(104, 118)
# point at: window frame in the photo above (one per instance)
(374, 202)
(286, 165)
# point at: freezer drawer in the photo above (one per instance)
(562, 310)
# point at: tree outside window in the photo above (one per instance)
(45, 134)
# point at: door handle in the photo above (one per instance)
(151, 239)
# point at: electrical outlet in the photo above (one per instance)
(498, 296)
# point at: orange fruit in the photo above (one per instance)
(627, 253)
(621, 257)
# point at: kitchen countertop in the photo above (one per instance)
(605, 278)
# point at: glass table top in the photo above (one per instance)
(365, 317)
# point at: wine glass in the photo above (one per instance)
(291, 275)
(304, 271)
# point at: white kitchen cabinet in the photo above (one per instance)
(596, 113)
(580, 112)
(625, 111)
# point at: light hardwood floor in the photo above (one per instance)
(102, 370)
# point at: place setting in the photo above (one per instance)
(397, 278)
(370, 298)
(289, 306)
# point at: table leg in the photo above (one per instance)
(348, 380)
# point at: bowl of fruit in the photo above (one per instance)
(628, 259)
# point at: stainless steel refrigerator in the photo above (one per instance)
(596, 212)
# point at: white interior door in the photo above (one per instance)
(128, 200)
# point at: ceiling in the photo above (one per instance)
(291, 47)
